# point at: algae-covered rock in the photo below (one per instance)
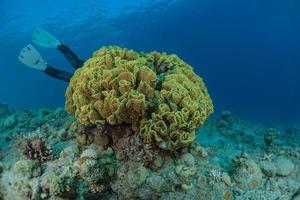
(59, 183)
(26, 168)
(226, 178)
(157, 183)
(199, 151)
(158, 94)
(130, 180)
(22, 181)
(268, 168)
(138, 175)
(271, 136)
(187, 159)
(247, 174)
(10, 122)
(284, 166)
(296, 196)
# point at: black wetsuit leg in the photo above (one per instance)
(73, 60)
(71, 56)
(58, 74)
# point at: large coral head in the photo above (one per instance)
(158, 94)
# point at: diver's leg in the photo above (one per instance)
(58, 74)
(45, 39)
(70, 55)
(30, 57)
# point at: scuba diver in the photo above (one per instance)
(32, 58)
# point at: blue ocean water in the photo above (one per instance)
(248, 52)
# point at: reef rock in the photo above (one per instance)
(268, 168)
(271, 137)
(247, 174)
(284, 166)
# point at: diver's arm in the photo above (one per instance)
(70, 55)
(58, 74)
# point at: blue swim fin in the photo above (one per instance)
(42, 38)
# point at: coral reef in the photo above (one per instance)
(157, 94)
(114, 163)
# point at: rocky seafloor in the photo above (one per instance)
(47, 154)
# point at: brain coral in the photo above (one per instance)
(158, 94)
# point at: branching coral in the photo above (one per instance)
(157, 94)
(95, 168)
(35, 148)
(90, 169)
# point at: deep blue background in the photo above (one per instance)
(248, 52)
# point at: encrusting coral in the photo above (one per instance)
(157, 94)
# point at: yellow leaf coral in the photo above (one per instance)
(158, 94)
